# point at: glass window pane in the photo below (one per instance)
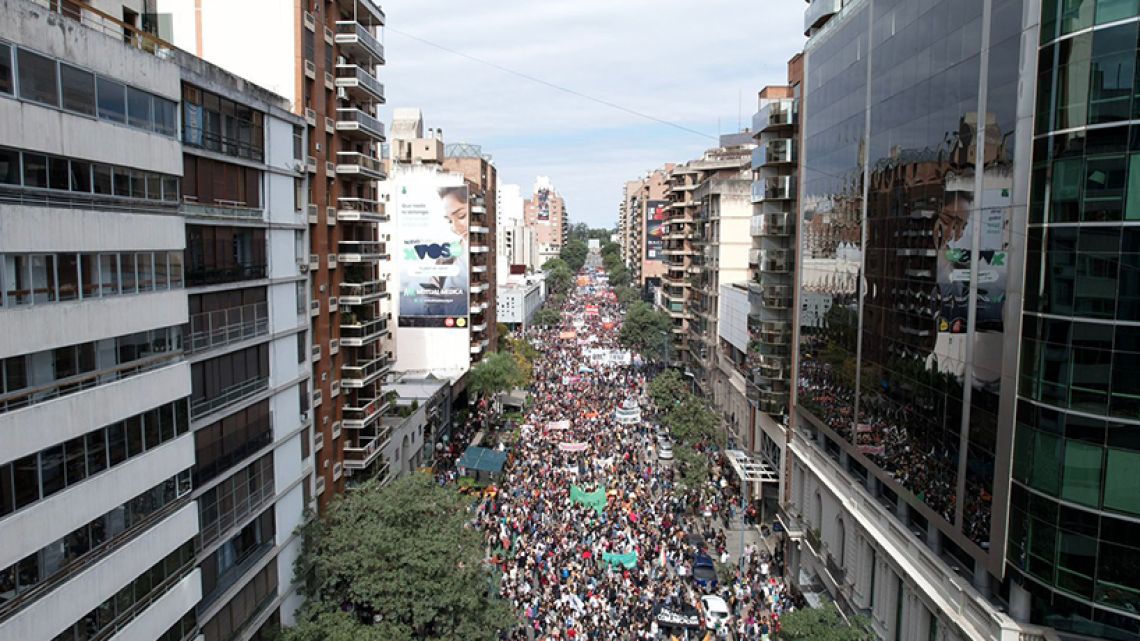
(6, 83)
(1082, 473)
(108, 274)
(17, 285)
(122, 182)
(75, 457)
(1076, 15)
(154, 186)
(26, 480)
(175, 269)
(80, 176)
(112, 100)
(127, 270)
(89, 269)
(51, 470)
(161, 270)
(78, 89)
(138, 184)
(35, 171)
(117, 443)
(7, 497)
(68, 276)
(9, 167)
(102, 180)
(164, 118)
(96, 451)
(1120, 481)
(145, 265)
(138, 108)
(170, 188)
(1046, 463)
(38, 78)
(59, 173)
(1113, 10)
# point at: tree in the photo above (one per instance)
(628, 295)
(619, 276)
(547, 317)
(559, 279)
(691, 420)
(668, 389)
(396, 563)
(823, 624)
(574, 254)
(579, 231)
(693, 468)
(648, 331)
(496, 373)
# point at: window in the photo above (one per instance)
(164, 116)
(221, 125)
(58, 173)
(1082, 473)
(1120, 481)
(112, 100)
(37, 78)
(35, 171)
(10, 167)
(138, 108)
(78, 89)
(6, 84)
(101, 175)
(80, 176)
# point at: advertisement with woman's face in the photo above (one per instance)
(433, 235)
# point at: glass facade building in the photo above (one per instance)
(909, 116)
(1074, 522)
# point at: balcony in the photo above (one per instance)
(775, 261)
(819, 12)
(209, 330)
(771, 225)
(769, 370)
(366, 12)
(361, 293)
(774, 188)
(366, 370)
(776, 114)
(359, 124)
(227, 209)
(359, 84)
(200, 276)
(360, 251)
(766, 400)
(368, 448)
(780, 151)
(352, 210)
(363, 411)
(777, 296)
(353, 164)
(357, 42)
(235, 393)
(358, 332)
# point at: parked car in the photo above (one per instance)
(665, 451)
(715, 611)
(704, 571)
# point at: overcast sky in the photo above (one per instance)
(692, 63)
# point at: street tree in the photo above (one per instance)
(547, 317)
(691, 420)
(496, 373)
(628, 295)
(692, 468)
(648, 331)
(619, 276)
(574, 254)
(823, 624)
(396, 563)
(668, 389)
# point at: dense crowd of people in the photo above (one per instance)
(607, 570)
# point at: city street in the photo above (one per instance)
(591, 537)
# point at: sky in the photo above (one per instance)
(696, 64)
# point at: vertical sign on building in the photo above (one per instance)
(434, 256)
(654, 228)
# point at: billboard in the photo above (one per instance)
(542, 207)
(654, 228)
(433, 253)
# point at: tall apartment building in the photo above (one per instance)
(545, 213)
(153, 336)
(482, 180)
(515, 243)
(642, 215)
(325, 60)
(916, 127)
(720, 247)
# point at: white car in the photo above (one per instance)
(715, 611)
(665, 451)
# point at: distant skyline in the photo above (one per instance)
(690, 64)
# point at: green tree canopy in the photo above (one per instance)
(547, 317)
(648, 331)
(823, 624)
(401, 559)
(691, 420)
(628, 295)
(574, 254)
(693, 468)
(668, 389)
(553, 263)
(497, 372)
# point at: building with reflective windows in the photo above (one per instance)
(914, 179)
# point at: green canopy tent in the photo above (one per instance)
(481, 460)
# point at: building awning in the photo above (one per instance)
(483, 460)
(750, 468)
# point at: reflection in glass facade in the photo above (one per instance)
(1074, 524)
(896, 358)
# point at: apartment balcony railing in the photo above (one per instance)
(768, 370)
(780, 151)
(359, 84)
(232, 394)
(359, 332)
(366, 12)
(358, 123)
(774, 188)
(357, 42)
(775, 261)
(72, 384)
(363, 411)
(201, 275)
(228, 209)
(353, 164)
(365, 370)
(368, 447)
(777, 296)
(361, 293)
(358, 251)
(107, 24)
(227, 326)
(772, 225)
(351, 209)
(776, 114)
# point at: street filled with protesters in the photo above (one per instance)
(589, 535)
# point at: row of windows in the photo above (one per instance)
(228, 378)
(57, 84)
(222, 568)
(40, 171)
(1088, 79)
(42, 566)
(1077, 471)
(236, 613)
(40, 475)
(35, 279)
(220, 446)
(234, 499)
(116, 612)
(224, 254)
(1059, 17)
(222, 125)
(33, 378)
